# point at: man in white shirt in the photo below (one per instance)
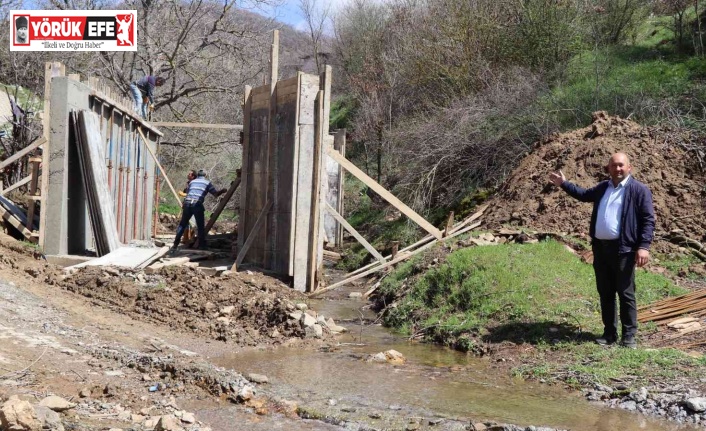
(621, 230)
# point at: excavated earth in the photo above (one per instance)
(527, 198)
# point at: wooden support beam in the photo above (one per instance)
(253, 233)
(23, 152)
(197, 125)
(127, 111)
(33, 192)
(247, 103)
(339, 218)
(394, 261)
(271, 168)
(8, 217)
(221, 205)
(18, 184)
(475, 216)
(159, 165)
(392, 199)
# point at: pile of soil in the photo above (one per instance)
(528, 199)
(248, 309)
(244, 308)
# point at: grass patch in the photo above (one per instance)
(589, 362)
(535, 293)
(169, 208)
(513, 292)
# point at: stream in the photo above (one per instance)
(437, 388)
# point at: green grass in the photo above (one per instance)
(169, 208)
(599, 364)
(536, 293)
(623, 80)
(513, 292)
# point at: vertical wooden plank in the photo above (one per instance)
(295, 176)
(35, 161)
(51, 69)
(314, 236)
(157, 188)
(245, 166)
(339, 145)
(272, 173)
(306, 100)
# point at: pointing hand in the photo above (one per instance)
(557, 178)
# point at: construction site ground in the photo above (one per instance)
(130, 348)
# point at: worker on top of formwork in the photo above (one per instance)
(143, 93)
(196, 192)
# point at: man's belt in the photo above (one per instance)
(191, 201)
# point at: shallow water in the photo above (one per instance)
(435, 382)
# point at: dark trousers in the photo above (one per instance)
(615, 274)
(197, 211)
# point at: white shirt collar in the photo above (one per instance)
(623, 183)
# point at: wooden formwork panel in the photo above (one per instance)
(257, 193)
(282, 175)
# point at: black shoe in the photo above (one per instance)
(172, 251)
(605, 340)
(629, 342)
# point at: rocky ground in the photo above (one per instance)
(107, 349)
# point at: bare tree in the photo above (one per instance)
(316, 17)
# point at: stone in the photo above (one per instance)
(296, 315)
(223, 320)
(151, 423)
(355, 295)
(114, 373)
(18, 415)
(188, 418)
(639, 396)
(137, 419)
(146, 410)
(308, 321)
(246, 392)
(318, 331)
(258, 378)
(390, 356)
(168, 423)
(84, 393)
(697, 404)
(301, 306)
(479, 426)
(227, 310)
(57, 404)
(50, 419)
(629, 405)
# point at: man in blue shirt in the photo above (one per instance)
(621, 230)
(196, 192)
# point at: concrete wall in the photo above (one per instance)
(67, 224)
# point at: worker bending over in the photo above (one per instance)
(196, 192)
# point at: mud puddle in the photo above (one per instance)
(437, 388)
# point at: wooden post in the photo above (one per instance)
(35, 161)
(272, 162)
(159, 165)
(395, 249)
(312, 282)
(247, 102)
(158, 186)
(449, 224)
(51, 69)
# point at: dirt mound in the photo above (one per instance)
(527, 199)
(248, 309)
